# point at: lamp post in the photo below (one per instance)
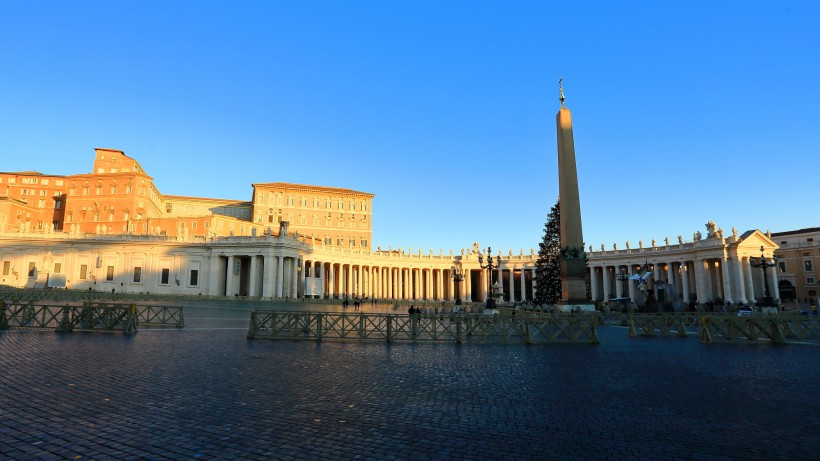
(764, 264)
(490, 265)
(458, 277)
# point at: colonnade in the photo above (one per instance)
(340, 280)
(731, 280)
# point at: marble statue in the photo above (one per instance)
(734, 232)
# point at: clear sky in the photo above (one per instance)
(684, 112)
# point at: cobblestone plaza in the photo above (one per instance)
(206, 392)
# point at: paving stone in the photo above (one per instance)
(208, 393)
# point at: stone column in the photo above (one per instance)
(684, 273)
(468, 287)
(253, 278)
(322, 280)
(523, 284)
(670, 278)
(400, 283)
(214, 264)
(607, 282)
(280, 276)
(619, 284)
(512, 284)
(727, 281)
(593, 283)
(741, 280)
(331, 284)
(229, 288)
(700, 281)
(656, 275)
(451, 286)
(747, 277)
(775, 291)
(295, 278)
(631, 284)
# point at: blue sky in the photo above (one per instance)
(683, 112)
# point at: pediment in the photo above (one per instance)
(751, 241)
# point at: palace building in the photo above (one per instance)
(112, 229)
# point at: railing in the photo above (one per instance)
(663, 323)
(713, 327)
(456, 328)
(776, 328)
(89, 316)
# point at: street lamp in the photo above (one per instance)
(458, 276)
(764, 264)
(490, 266)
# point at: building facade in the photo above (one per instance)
(798, 257)
(113, 230)
(712, 268)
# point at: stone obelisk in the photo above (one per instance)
(573, 267)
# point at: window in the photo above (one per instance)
(44, 182)
(43, 193)
(165, 276)
(340, 242)
(98, 190)
(58, 267)
(328, 241)
(808, 265)
(810, 281)
(58, 182)
(364, 243)
(111, 215)
(128, 188)
(31, 268)
(6, 267)
(85, 190)
(41, 203)
(83, 271)
(303, 201)
(194, 277)
(353, 242)
(137, 274)
(781, 266)
(290, 201)
(109, 273)
(113, 189)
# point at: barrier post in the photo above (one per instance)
(4, 321)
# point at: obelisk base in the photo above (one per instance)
(574, 287)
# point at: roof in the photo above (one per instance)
(205, 199)
(807, 230)
(309, 188)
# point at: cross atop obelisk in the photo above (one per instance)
(573, 266)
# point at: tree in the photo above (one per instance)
(548, 266)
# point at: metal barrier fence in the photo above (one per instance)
(779, 329)
(712, 327)
(456, 328)
(89, 316)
